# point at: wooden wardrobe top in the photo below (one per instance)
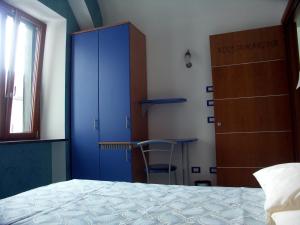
(107, 26)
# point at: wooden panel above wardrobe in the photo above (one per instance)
(252, 108)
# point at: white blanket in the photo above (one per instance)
(99, 202)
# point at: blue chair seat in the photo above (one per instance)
(160, 168)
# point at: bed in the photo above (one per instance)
(101, 202)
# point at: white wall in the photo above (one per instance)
(172, 27)
(53, 81)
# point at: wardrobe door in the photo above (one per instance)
(84, 106)
(114, 101)
(114, 84)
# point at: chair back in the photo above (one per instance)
(157, 146)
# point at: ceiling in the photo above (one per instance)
(87, 13)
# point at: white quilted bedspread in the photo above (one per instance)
(84, 202)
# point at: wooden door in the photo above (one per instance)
(84, 106)
(252, 109)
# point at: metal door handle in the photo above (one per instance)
(96, 124)
(127, 122)
(219, 124)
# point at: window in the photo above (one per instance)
(21, 54)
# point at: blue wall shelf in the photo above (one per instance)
(163, 101)
(149, 102)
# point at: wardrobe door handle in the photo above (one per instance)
(96, 124)
(127, 122)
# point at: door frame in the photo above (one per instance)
(292, 51)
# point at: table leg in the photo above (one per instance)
(188, 163)
(182, 163)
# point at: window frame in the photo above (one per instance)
(6, 102)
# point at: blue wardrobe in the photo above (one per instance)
(108, 83)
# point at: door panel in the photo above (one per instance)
(253, 149)
(84, 107)
(237, 177)
(253, 114)
(138, 78)
(114, 101)
(250, 80)
(248, 46)
(116, 165)
(252, 103)
(138, 81)
(114, 84)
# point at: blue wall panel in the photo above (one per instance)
(23, 167)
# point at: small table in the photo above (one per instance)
(185, 159)
(182, 142)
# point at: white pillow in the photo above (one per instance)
(287, 217)
(281, 184)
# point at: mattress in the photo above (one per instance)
(101, 202)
